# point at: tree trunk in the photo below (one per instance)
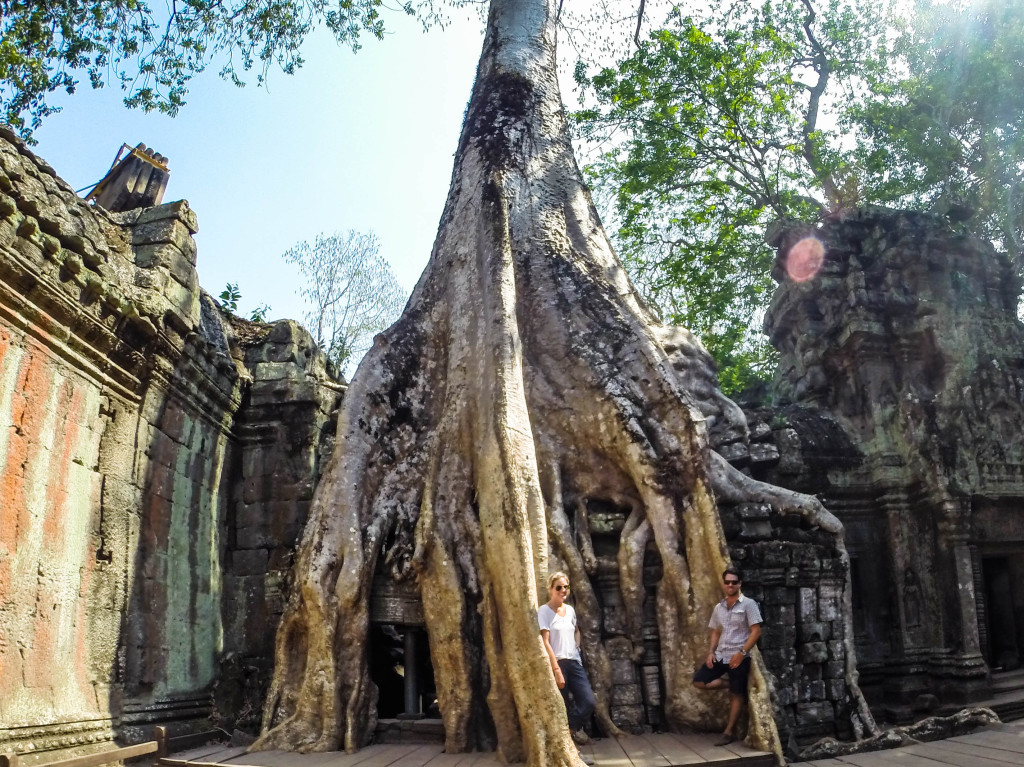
(525, 378)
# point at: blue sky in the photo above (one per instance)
(353, 141)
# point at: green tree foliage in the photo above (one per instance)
(713, 129)
(350, 291)
(949, 133)
(152, 52)
(796, 109)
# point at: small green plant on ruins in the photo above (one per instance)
(260, 313)
(728, 119)
(231, 295)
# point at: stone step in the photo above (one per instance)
(409, 731)
(1008, 681)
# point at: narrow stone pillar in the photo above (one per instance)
(412, 676)
(960, 672)
(968, 607)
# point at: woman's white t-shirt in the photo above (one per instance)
(562, 630)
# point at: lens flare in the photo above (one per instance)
(805, 259)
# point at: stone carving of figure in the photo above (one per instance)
(911, 599)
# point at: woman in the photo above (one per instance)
(561, 638)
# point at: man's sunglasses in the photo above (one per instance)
(731, 583)
(561, 588)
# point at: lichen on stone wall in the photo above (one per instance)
(125, 396)
(901, 365)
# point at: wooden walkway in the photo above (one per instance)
(662, 750)
(1001, 745)
(998, 746)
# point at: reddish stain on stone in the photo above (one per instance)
(27, 413)
(69, 410)
(8, 528)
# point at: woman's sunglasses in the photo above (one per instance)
(560, 587)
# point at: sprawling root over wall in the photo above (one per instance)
(524, 378)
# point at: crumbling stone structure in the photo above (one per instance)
(902, 388)
(156, 460)
(158, 466)
(800, 578)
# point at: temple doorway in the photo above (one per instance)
(1003, 579)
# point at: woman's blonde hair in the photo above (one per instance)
(554, 577)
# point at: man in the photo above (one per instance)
(735, 628)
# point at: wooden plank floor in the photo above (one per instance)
(998, 746)
(661, 750)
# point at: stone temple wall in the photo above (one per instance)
(901, 385)
(158, 459)
(799, 579)
(156, 463)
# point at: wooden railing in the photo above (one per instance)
(92, 760)
(181, 742)
(161, 745)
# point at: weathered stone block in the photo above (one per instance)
(629, 718)
(281, 559)
(163, 230)
(736, 453)
(815, 712)
(250, 562)
(810, 672)
(808, 605)
(778, 595)
(623, 672)
(755, 530)
(179, 210)
(250, 514)
(812, 691)
(834, 670)
(626, 695)
(619, 648)
(763, 454)
(829, 608)
(255, 489)
(774, 555)
(815, 631)
(650, 678)
(277, 371)
(614, 620)
(257, 537)
(754, 510)
(790, 455)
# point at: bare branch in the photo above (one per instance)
(639, 22)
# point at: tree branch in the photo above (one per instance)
(639, 22)
(823, 67)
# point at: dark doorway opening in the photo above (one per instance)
(400, 667)
(1003, 579)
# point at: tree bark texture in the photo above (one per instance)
(525, 378)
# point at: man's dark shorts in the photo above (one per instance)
(737, 676)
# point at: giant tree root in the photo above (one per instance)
(932, 728)
(524, 378)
